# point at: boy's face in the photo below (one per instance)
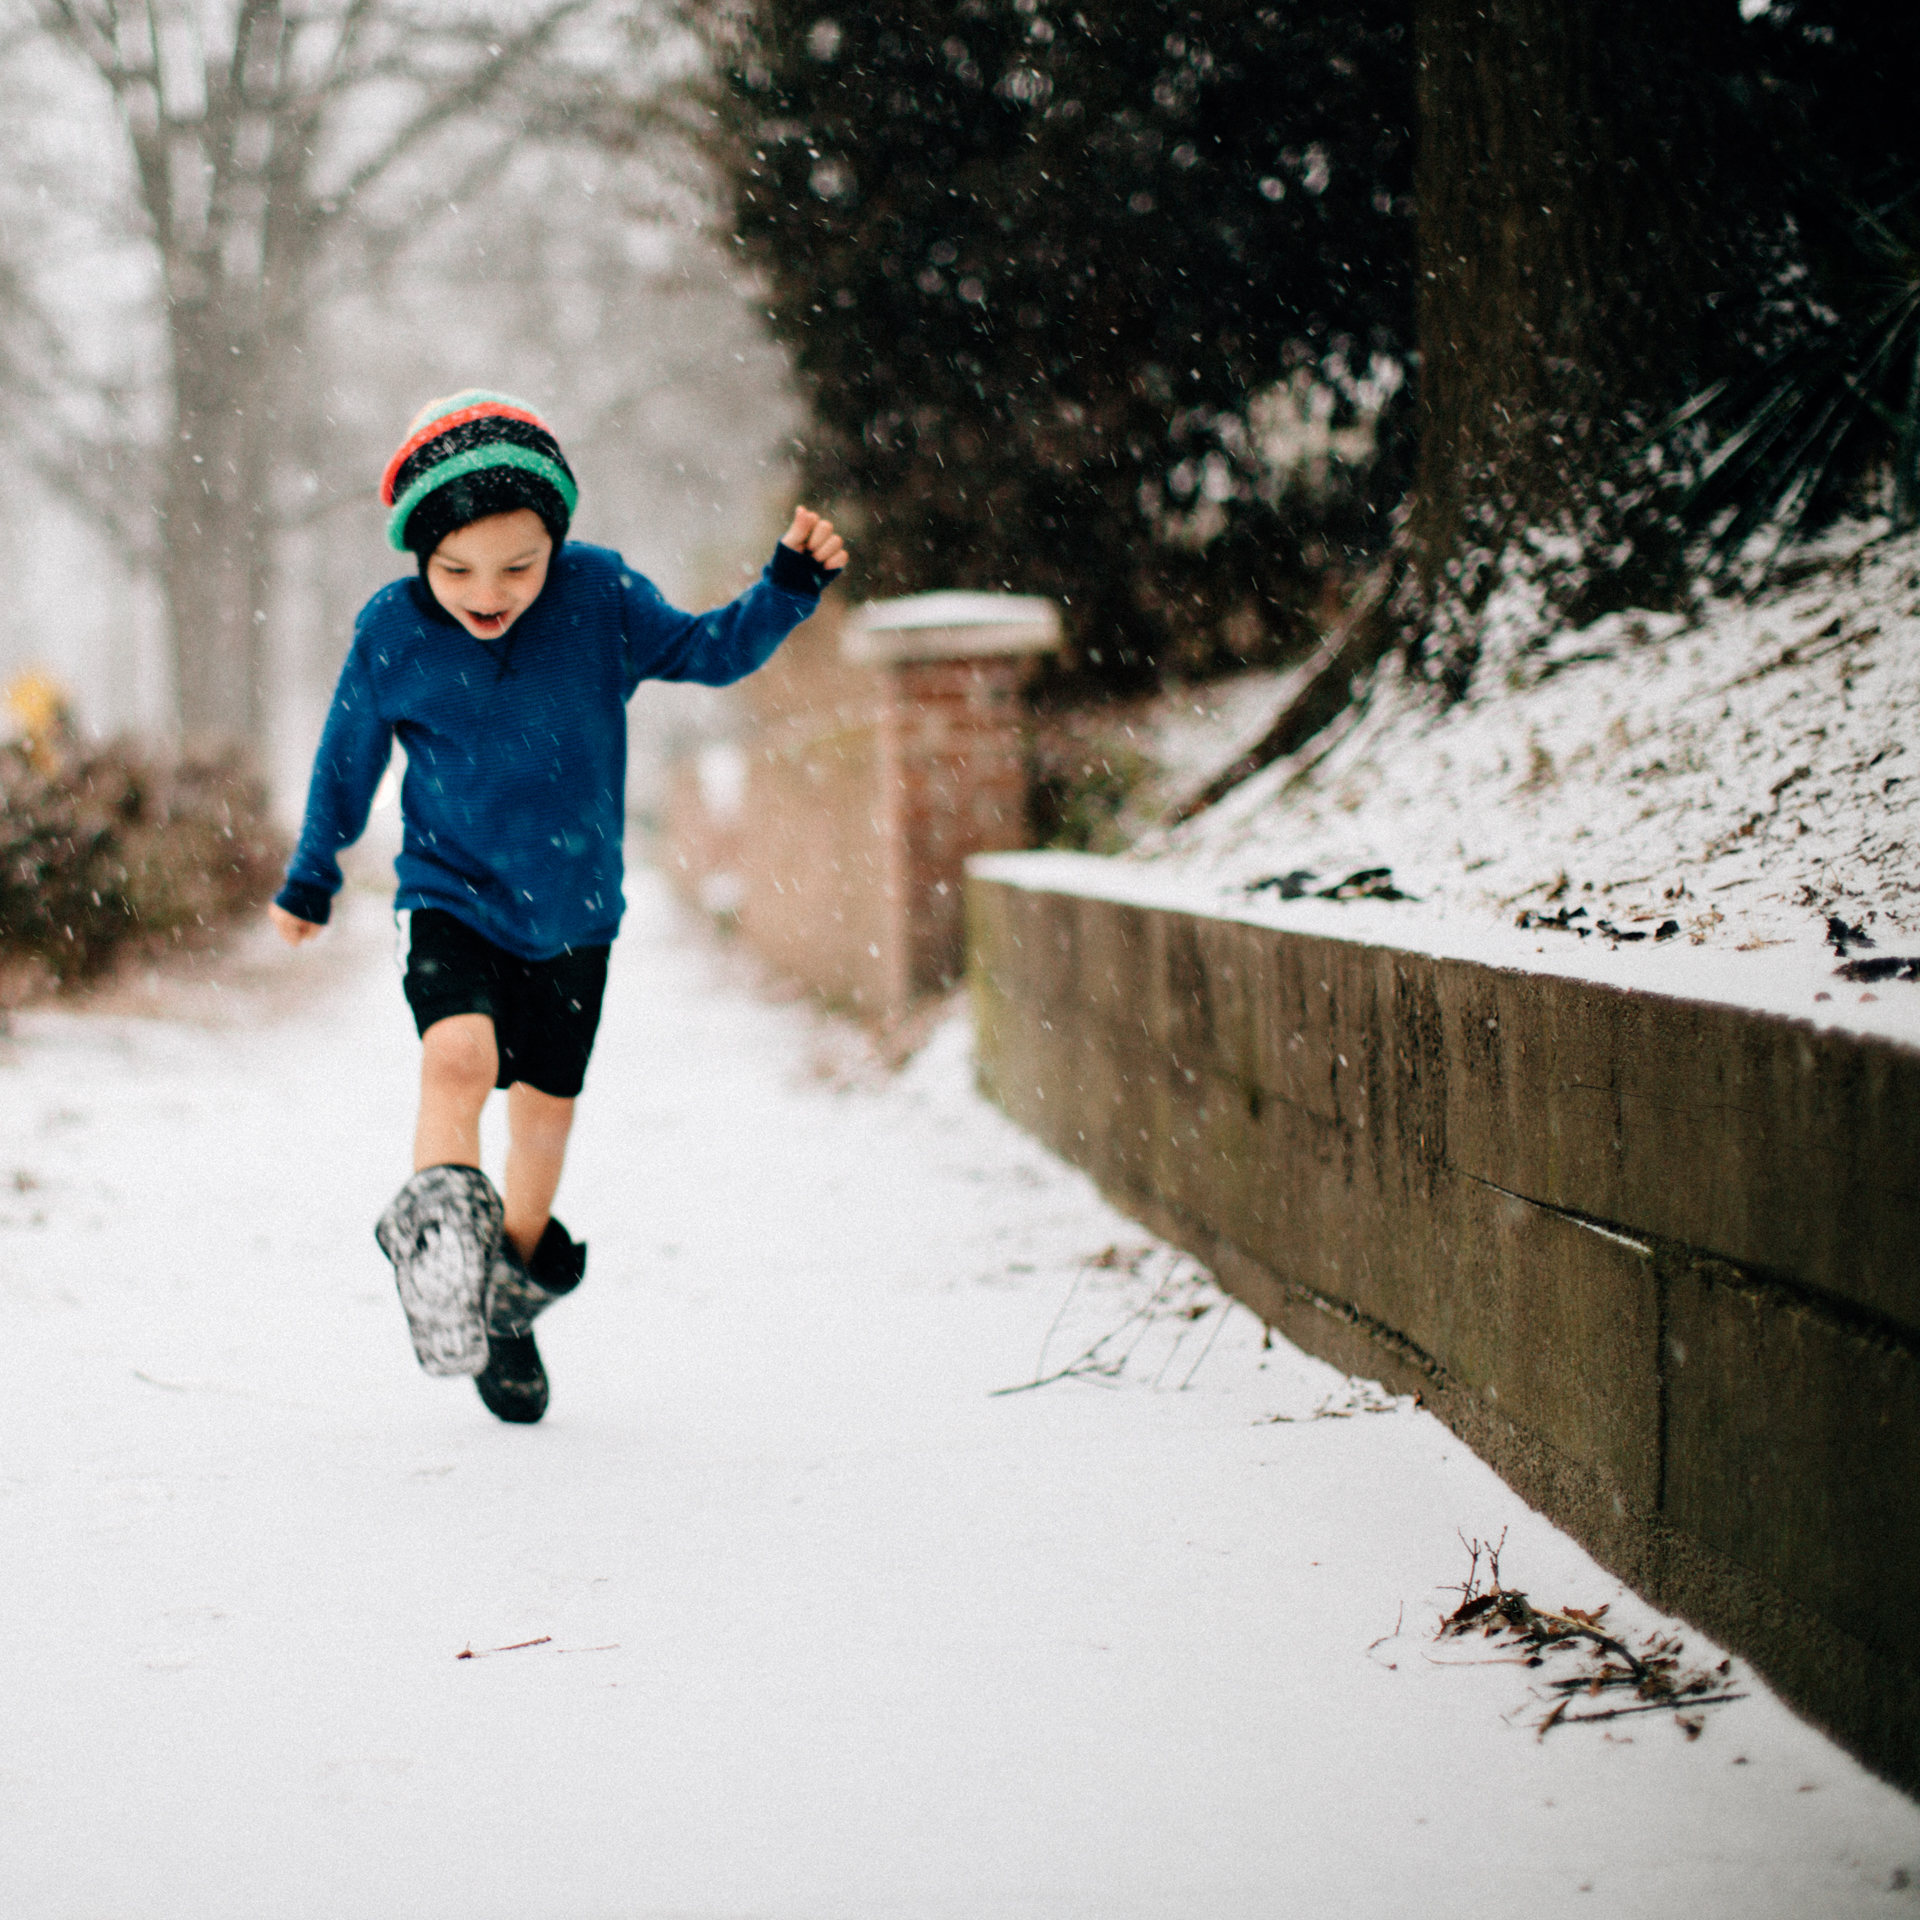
(489, 572)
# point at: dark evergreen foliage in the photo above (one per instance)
(1038, 264)
(1834, 82)
(1794, 443)
(1830, 403)
(1661, 287)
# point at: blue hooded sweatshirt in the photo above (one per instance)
(514, 800)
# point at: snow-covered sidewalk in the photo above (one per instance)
(815, 1627)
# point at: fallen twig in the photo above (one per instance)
(1362, 1397)
(1395, 1634)
(1053, 1326)
(1560, 1717)
(1226, 1307)
(480, 1653)
(1355, 642)
(1106, 1360)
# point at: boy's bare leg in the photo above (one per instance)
(537, 1128)
(458, 1064)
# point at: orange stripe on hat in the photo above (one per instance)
(486, 410)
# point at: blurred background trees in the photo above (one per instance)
(1830, 403)
(241, 242)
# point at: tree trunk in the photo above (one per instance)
(218, 541)
(1569, 220)
(209, 170)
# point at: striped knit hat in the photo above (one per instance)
(468, 456)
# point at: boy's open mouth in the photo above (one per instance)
(487, 622)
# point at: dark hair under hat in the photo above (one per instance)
(469, 456)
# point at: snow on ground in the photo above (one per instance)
(1724, 781)
(818, 1626)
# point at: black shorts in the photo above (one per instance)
(544, 1012)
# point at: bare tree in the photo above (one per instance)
(271, 141)
(77, 364)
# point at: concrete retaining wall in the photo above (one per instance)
(1657, 1261)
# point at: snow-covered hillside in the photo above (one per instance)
(1728, 778)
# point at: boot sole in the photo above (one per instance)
(440, 1235)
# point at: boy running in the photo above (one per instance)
(504, 669)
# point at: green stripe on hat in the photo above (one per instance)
(476, 460)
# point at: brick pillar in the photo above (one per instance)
(954, 779)
(885, 743)
(952, 765)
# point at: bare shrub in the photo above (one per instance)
(113, 847)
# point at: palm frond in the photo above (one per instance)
(1790, 445)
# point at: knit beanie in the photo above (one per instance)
(468, 456)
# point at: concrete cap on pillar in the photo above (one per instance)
(949, 626)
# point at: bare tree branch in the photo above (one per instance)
(466, 96)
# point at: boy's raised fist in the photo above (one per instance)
(812, 535)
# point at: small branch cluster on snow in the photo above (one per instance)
(1183, 1295)
(1359, 1396)
(1605, 1667)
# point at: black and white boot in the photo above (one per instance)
(514, 1383)
(441, 1232)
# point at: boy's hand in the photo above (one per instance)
(290, 929)
(811, 535)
